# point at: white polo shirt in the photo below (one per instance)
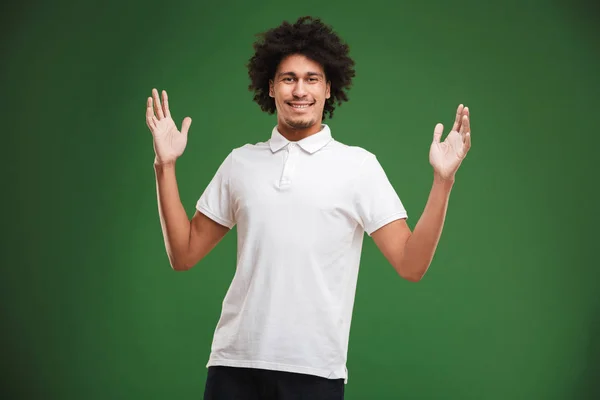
(301, 209)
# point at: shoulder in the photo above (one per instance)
(248, 150)
(353, 155)
(250, 147)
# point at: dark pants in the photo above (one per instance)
(229, 383)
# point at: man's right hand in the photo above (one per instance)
(169, 143)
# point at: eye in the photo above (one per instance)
(288, 79)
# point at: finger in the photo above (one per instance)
(457, 119)
(465, 133)
(150, 120)
(437, 133)
(157, 107)
(467, 142)
(166, 104)
(465, 127)
(185, 125)
(467, 113)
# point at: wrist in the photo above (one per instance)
(163, 164)
(443, 181)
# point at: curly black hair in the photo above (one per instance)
(312, 38)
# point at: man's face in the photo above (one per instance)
(300, 89)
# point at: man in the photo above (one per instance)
(302, 202)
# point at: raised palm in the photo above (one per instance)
(445, 157)
(169, 143)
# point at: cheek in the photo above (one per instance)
(322, 94)
(281, 94)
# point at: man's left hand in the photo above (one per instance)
(445, 157)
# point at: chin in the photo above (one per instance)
(301, 124)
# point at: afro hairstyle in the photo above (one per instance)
(315, 40)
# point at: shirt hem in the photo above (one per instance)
(214, 217)
(276, 367)
(386, 221)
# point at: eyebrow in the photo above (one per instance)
(310, 73)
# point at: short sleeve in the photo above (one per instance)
(375, 199)
(215, 201)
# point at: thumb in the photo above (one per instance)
(185, 125)
(437, 133)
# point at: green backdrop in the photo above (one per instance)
(510, 308)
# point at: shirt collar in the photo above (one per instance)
(310, 144)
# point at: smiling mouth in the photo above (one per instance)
(300, 106)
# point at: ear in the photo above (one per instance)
(328, 90)
(271, 91)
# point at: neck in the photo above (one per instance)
(295, 134)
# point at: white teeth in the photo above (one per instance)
(302, 106)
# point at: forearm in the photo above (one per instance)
(173, 218)
(420, 247)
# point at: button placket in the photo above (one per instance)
(289, 165)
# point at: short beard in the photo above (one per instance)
(295, 124)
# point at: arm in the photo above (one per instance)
(186, 242)
(411, 253)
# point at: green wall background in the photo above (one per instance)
(510, 308)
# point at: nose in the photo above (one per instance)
(299, 89)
